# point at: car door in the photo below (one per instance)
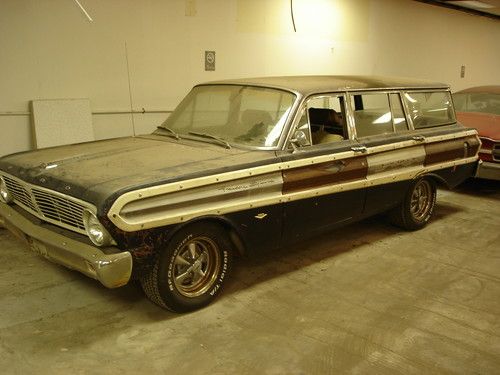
(381, 127)
(319, 187)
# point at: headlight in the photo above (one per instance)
(96, 232)
(5, 195)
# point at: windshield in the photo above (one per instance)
(246, 115)
(477, 102)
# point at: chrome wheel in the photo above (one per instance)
(196, 266)
(421, 201)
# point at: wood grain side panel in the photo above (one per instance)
(444, 151)
(329, 173)
(451, 150)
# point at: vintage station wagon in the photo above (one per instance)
(239, 165)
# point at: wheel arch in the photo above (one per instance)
(437, 179)
(234, 236)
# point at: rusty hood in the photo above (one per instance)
(100, 171)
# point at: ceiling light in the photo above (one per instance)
(472, 4)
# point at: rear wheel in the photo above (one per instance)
(191, 270)
(418, 206)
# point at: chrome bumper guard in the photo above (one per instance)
(488, 170)
(112, 270)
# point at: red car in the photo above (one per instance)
(479, 107)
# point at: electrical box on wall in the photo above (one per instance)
(210, 60)
(190, 8)
(462, 71)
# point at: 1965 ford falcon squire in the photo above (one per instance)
(238, 165)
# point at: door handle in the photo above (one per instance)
(418, 138)
(361, 149)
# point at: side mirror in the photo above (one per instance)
(300, 139)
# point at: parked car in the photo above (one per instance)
(239, 165)
(479, 108)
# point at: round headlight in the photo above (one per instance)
(96, 232)
(5, 195)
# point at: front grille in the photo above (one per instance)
(20, 193)
(496, 152)
(59, 208)
(53, 207)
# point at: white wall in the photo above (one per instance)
(48, 49)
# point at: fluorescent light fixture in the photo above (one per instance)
(472, 4)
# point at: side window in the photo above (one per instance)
(326, 115)
(398, 115)
(372, 114)
(428, 109)
(460, 101)
(484, 102)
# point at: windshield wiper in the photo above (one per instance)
(210, 136)
(170, 131)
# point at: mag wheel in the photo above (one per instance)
(418, 206)
(422, 200)
(195, 266)
(191, 270)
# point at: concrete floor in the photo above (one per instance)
(365, 299)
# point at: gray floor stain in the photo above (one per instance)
(364, 299)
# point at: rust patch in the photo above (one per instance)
(143, 245)
(329, 173)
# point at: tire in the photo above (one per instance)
(417, 207)
(192, 268)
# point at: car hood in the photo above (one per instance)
(99, 171)
(487, 125)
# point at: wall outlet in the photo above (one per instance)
(462, 71)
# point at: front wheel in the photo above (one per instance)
(190, 271)
(418, 206)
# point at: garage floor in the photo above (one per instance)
(365, 299)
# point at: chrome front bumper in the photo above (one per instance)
(112, 270)
(488, 170)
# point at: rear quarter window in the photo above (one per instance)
(429, 109)
(377, 113)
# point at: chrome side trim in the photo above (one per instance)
(187, 204)
(182, 201)
(112, 270)
(397, 160)
(166, 217)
